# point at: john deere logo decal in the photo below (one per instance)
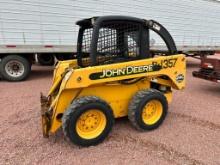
(124, 71)
(155, 66)
(179, 78)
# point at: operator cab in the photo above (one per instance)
(113, 39)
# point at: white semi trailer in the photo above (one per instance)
(46, 29)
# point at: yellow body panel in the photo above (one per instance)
(62, 66)
(78, 82)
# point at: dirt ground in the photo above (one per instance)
(189, 135)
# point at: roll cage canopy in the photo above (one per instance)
(110, 39)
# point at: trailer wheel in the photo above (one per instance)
(147, 109)
(15, 68)
(87, 121)
(46, 59)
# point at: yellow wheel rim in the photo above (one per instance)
(91, 124)
(152, 112)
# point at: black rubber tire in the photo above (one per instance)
(46, 59)
(74, 111)
(24, 61)
(137, 104)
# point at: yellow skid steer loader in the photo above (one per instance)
(115, 74)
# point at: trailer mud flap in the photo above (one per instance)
(45, 116)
